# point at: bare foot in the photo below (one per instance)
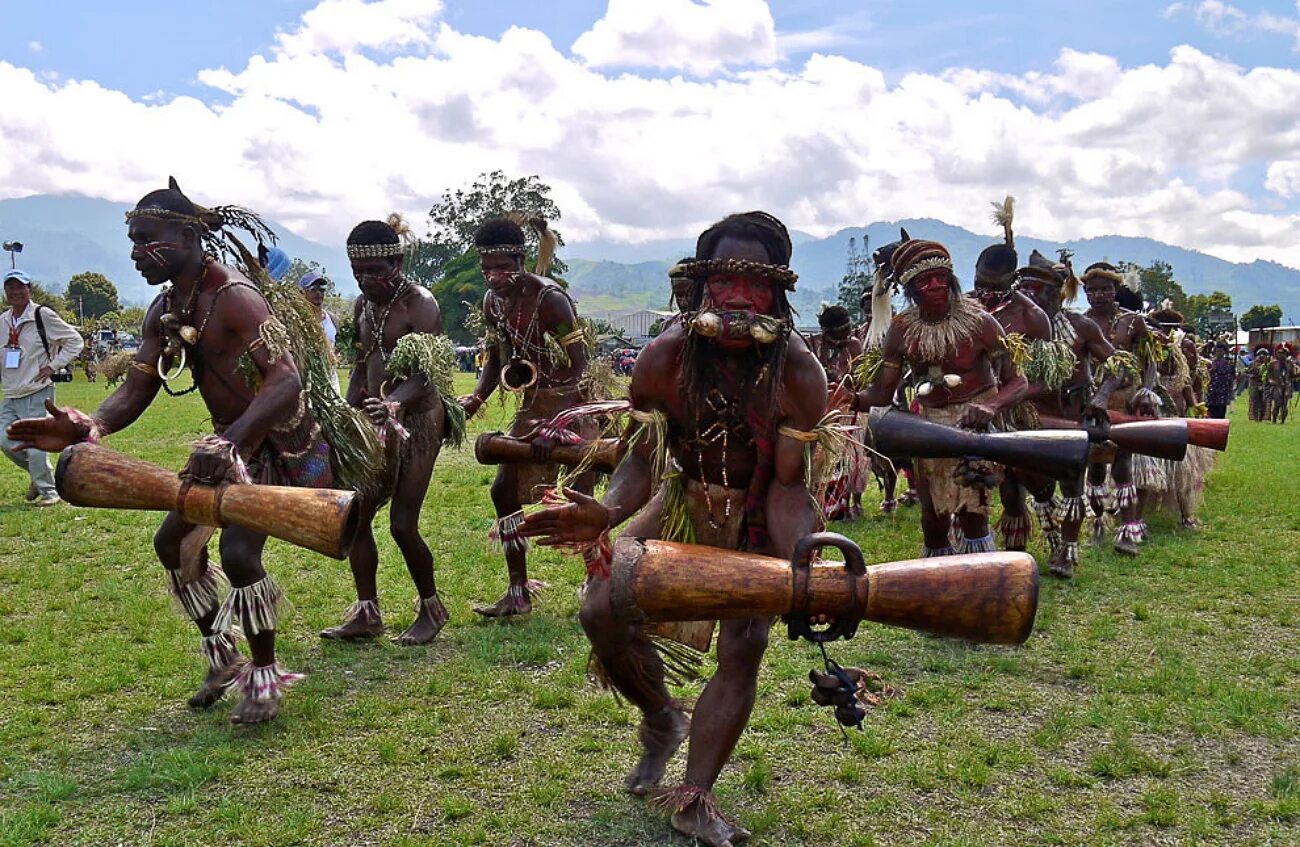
(888, 507)
(659, 741)
(910, 497)
(702, 821)
(514, 602)
(1125, 547)
(1061, 563)
(215, 684)
(255, 711)
(362, 620)
(430, 618)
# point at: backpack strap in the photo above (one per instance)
(40, 330)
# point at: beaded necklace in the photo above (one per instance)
(377, 327)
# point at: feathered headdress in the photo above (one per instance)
(1003, 214)
(882, 291)
(214, 224)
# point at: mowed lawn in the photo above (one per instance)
(1157, 702)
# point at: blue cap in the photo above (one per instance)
(21, 276)
(311, 278)
(277, 263)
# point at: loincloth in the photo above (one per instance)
(293, 453)
(947, 496)
(424, 434)
(538, 406)
(686, 510)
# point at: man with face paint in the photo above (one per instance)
(964, 376)
(1134, 370)
(408, 411)
(730, 395)
(1257, 374)
(1051, 285)
(837, 348)
(536, 349)
(209, 320)
(1281, 383)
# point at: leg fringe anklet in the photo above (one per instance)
(433, 605)
(1072, 510)
(1053, 539)
(366, 607)
(682, 797)
(256, 608)
(1015, 530)
(1129, 531)
(1101, 495)
(934, 552)
(1126, 496)
(198, 598)
(219, 650)
(507, 533)
(265, 683)
(1072, 553)
(1046, 512)
(978, 545)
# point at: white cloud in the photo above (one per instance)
(344, 25)
(1283, 178)
(35, 46)
(1225, 19)
(321, 138)
(700, 38)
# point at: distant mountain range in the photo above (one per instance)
(65, 235)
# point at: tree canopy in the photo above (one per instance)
(1259, 317)
(90, 295)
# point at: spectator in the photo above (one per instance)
(38, 343)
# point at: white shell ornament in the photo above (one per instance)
(189, 335)
(708, 324)
(952, 380)
(762, 334)
(924, 389)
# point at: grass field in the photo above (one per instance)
(1158, 701)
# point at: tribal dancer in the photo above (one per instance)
(1258, 374)
(733, 395)
(837, 348)
(1030, 344)
(1281, 384)
(957, 353)
(536, 348)
(216, 322)
(403, 367)
(878, 311)
(1132, 364)
(1051, 285)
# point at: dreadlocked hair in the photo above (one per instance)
(209, 223)
(497, 232)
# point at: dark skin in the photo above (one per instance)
(1016, 313)
(233, 320)
(517, 296)
(980, 364)
(1090, 347)
(723, 709)
(1125, 330)
(414, 310)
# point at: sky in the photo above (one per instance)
(1178, 120)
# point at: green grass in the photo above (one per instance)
(1158, 700)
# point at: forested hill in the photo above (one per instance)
(68, 235)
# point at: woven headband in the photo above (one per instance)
(165, 215)
(704, 268)
(375, 251)
(932, 263)
(501, 250)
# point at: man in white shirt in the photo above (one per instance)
(37, 343)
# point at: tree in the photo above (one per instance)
(857, 278)
(1158, 285)
(42, 296)
(445, 261)
(1259, 317)
(91, 295)
(452, 220)
(1210, 313)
